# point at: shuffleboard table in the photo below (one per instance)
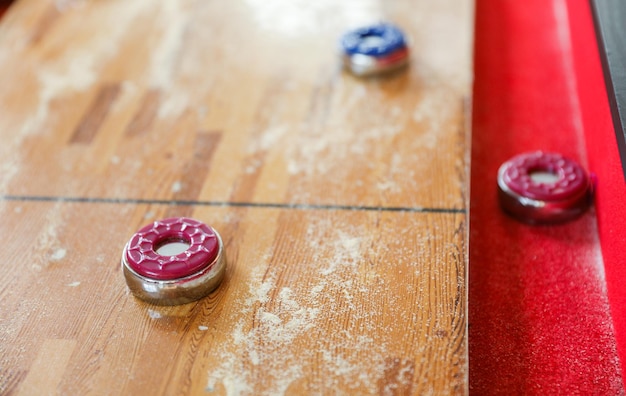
(366, 249)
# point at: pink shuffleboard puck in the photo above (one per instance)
(173, 261)
(541, 187)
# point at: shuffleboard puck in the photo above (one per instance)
(174, 261)
(540, 187)
(374, 49)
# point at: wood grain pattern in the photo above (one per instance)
(47, 370)
(342, 201)
(94, 117)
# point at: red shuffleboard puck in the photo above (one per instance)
(541, 188)
(174, 261)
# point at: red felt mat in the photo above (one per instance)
(539, 314)
(605, 162)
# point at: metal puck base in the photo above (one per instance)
(367, 65)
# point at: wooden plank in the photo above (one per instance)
(47, 370)
(342, 201)
(313, 299)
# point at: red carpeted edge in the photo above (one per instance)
(605, 162)
(538, 310)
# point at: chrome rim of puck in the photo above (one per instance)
(188, 273)
(374, 49)
(540, 188)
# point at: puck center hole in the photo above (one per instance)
(372, 41)
(172, 246)
(544, 176)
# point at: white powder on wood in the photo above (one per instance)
(58, 254)
(177, 186)
(291, 317)
(48, 241)
(73, 70)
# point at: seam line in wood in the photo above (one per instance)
(271, 205)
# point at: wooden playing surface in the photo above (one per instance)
(342, 201)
